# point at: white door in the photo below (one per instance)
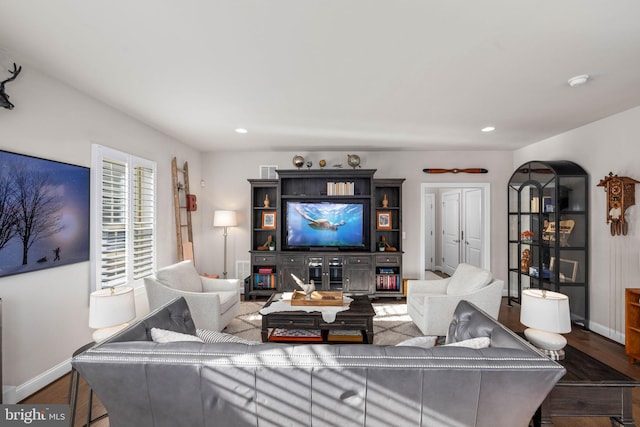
(472, 228)
(429, 231)
(450, 231)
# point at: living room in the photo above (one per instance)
(48, 309)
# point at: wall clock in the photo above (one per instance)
(621, 194)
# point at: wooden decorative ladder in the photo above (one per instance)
(183, 204)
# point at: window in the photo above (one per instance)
(123, 247)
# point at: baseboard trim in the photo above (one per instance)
(39, 382)
(607, 332)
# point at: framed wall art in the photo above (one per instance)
(268, 220)
(44, 213)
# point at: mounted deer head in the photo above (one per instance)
(4, 98)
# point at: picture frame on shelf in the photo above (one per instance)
(268, 220)
(547, 204)
(568, 269)
(383, 220)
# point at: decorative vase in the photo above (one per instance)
(267, 202)
(298, 161)
(385, 201)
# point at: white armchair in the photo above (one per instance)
(431, 303)
(212, 302)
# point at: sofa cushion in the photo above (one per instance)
(480, 342)
(210, 336)
(182, 276)
(164, 336)
(468, 278)
(424, 342)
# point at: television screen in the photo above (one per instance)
(325, 224)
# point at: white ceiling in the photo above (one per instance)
(338, 74)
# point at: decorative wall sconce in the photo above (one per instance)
(455, 170)
(621, 193)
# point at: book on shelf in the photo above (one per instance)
(264, 270)
(265, 281)
(388, 282)
(281, 334)
(345, 335)
(340, 188)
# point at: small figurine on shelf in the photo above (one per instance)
(525, 262)
(385, 201)
(527, 236)
(267, 245)
(266, 202)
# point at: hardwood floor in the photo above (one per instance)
(601, 348)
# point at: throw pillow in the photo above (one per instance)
(164, 336)
(182, 276)
(424, 342)
(480, 342)
(210, 336)
(468, 278)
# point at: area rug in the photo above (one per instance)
(391, 323)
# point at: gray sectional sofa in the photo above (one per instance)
(144, 384)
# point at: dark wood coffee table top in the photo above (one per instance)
(358, 317)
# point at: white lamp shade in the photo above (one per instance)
(224, 219)
(111, 307)
(545, 310)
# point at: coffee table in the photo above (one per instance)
(358, 317)
(590, 388)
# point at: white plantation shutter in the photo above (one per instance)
(113, 247)
(124, 219)
(143, 221)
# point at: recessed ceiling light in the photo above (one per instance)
(241, 130)
(488, 129)
(578, 80)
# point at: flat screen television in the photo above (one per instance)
(338, 225)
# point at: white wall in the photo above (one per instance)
(608, 145)
(226, 176)
(45, 313)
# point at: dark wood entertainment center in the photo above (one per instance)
(355, 269)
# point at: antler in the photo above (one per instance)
(15, 72)
(4, 98)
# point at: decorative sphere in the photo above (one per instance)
(322, 163)
(353, 160)
(298, 161)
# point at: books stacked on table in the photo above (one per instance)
(280, 334)
(345, 335)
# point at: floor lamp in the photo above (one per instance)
(225, 219)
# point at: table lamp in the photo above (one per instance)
(109, 311)
(546, 314)
(225, 219)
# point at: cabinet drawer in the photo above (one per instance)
(300, 323)
(359, 260)
(387, 259)
(291, 259)
(346, 324)
(264, 259)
